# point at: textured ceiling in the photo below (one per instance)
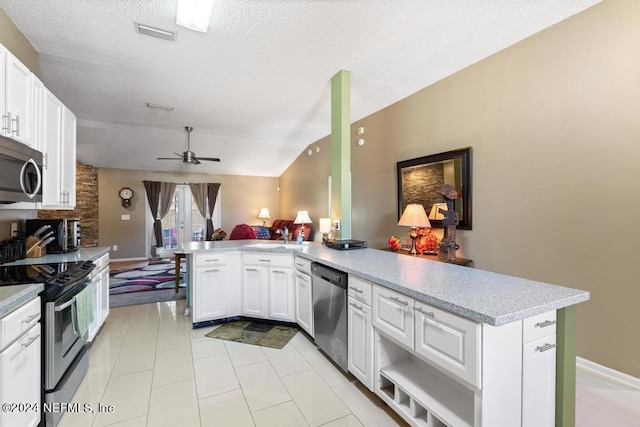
(256, 86)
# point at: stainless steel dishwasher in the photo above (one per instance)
(330, 312)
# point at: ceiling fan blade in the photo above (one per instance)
(168, 158)
(210, 159)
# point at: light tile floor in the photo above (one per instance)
(154, 370)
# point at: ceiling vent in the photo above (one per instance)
(155, 32)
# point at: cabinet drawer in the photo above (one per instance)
(449, 341)
(19, 321)
(393, 315)
(202, 260)
(269, 260)
(302, 264)
(360, 290)
(539, 326)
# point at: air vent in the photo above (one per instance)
(159, 106)
(155, 32)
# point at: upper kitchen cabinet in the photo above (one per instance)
(15, 98)
(59, 149)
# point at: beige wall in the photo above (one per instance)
(17, 43)
(554, 126)
(242, 198)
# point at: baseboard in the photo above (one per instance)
(608, 373)
(128, 259)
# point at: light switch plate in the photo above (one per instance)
(125, 217)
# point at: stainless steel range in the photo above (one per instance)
(64, 354)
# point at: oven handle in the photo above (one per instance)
(65, 305)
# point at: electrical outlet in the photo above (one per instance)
(14, 229)
(336, 224)
(115, 247)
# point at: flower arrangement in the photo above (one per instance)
(427, 242)
(218, 234)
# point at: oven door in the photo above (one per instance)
(63, 341)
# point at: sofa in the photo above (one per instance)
(244, 231)
(294, 229)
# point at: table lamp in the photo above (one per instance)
(302, 218)
(325, 229)
(414, 216)
(264, 216)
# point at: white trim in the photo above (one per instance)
(607, 373)
(128, 259)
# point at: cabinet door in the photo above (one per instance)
(209, 293)
(20, 378)
(68, 159)
(3, 94)
(304, 302)
(51, 190)
(281, 294)
(95, 296)
(37, 113)
(360, 336)
(449, 341)
(255, 283)
(393, 315)
(18, 98)
(539, 382)
(104, 295)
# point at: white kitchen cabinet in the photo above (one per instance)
(393, 314)
(215, 285)
(52, 147)
(68, 159)
(255, 291)
(304, 302)
(100, 294)
(17, 87)
(449, 341)
(281, 294)
(360, 342)
(20, 367)
(37, 113)
(539, 371)
(267, 286)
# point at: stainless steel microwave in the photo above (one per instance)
(20, 172)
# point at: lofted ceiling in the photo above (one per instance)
(256, 87)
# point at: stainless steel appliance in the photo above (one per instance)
(330, 312)
(346, 244)
(65, 358)
(20, 172)
(66, 233)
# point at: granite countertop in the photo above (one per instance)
(82, 254)
(12, 297)
(482, 296)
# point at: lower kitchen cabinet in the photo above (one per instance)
(100, 294)
(20, 367)
(360, 342)
(267, 286)
(216, 286)
(281, 294)
(255, 288)
(304, 302)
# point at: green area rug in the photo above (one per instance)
(255, 332)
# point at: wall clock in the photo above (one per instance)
(126, 194)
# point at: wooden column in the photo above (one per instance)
(566, 367)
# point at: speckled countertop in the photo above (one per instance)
(12, 297)
(482, 296)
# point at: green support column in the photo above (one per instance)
(566, 367)
(341, 151)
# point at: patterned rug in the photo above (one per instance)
(157, 275)
(255, 332)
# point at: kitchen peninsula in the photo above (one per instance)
(487, 340)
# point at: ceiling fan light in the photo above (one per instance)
(194, 14)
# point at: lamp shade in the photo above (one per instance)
(434, 213)
(414, 215)
(264, 213)
(302, 218)
(325, 225)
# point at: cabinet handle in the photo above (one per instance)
(356, 289)
(30, 341)
(251, 269)
(358, 307)
(399, 301)
(299, 265)
(426, 313)
(545, 323)
(17, 131)
(6, 128)
(30, 318)
(264, 260)
(211, 260)
(277, 271)
(212, 271)
(545, 347)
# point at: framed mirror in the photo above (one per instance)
(419, 180)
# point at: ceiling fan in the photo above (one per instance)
(189, 156)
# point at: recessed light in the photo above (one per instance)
(159, 106)
(155, 32)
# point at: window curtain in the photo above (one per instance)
(160, 196)
(205, 195)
